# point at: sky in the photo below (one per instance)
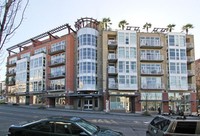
(44, 15)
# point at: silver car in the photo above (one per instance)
(174, 126)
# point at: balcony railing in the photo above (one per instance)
(112, 70)
(190, 59)
(191, 72)
(152, 86)
(191, 87)
(152, 57)
(112, 85)
(12, 72)
(11, 82)
(156, 45)
(112, 56)
(59, 49)
(11, 64)
(112, 42)
(57, 62)
(57, 75)
(152, 72)
(56, 88)
(189, 46)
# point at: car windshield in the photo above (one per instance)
(88, 127)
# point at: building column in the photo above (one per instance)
(138, 105)
(193, 102)
(165, 102)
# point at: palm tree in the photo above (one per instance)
(170, 27)
(147, 26)
(187, 27)
(106, 22)
(122, 24)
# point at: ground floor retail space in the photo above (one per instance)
(167, 101)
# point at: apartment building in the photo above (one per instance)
(2, 89)
(95, 69)
(197, 73)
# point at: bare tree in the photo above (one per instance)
(11, 17)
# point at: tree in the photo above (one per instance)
(122, 24)
(147, 26)
(171, 27)
(10, 18)
(106, 22)
(187, 27)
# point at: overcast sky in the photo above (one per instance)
(44, 15)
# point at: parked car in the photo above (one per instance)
(60, 126)
(174, 126)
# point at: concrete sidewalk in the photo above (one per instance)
(139, 114)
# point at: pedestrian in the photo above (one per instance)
(159, 110)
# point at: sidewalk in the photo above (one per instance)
(79, 111)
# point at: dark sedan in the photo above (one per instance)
(60, 126)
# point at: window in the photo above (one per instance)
(133, 67)
(132, 38)
(96, 102)
(42, 126)
(76, 130)
(127, 38)
(62, 128)
(133, 80)
(183, 54)
(121, 66)
(171, 40)
(132, 52)
(121, 79)
(127, 67)
(161, 123)
(142, 41)
(121, 38)
(177, 54)
(186, 127)
(173, 68)
(127, 52)
(121, 52)
(58, 46)
(183, 68)
(172, 54)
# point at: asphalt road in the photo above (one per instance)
(128, 123)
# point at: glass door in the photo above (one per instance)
(88, 104)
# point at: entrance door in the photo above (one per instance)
(88, 104)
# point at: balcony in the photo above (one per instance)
(157, 58)
(11, 73)
(112, 71)
(56, 88)
(112, 57)
(152, 72)
(10, 83)
(57, 75)
(190, 59)
(57, 62)
(152, 86)
(113, 86)
(191, 72)
(59, 49)
(11, 64)
(112, 44)
(149, 46)
(189, 46)
(191, 87)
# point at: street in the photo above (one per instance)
(129, 124)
